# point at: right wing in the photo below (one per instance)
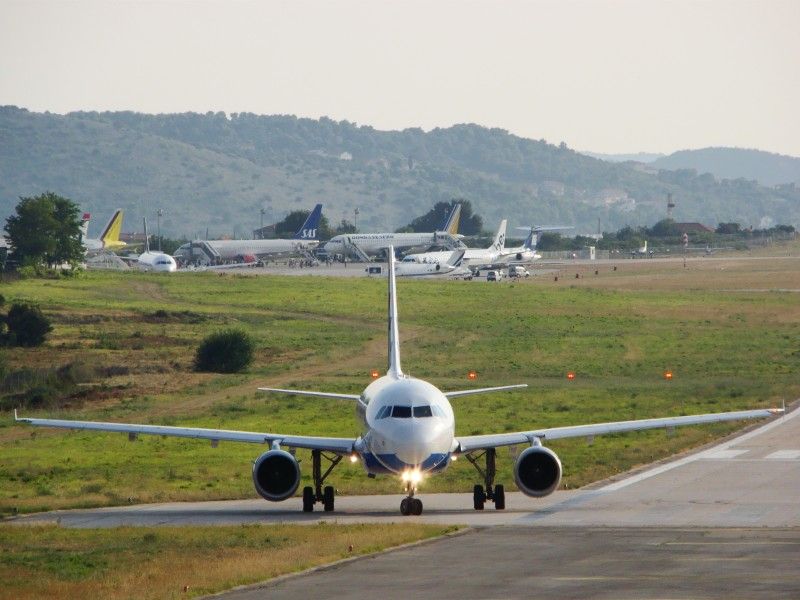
(329, 444)
(481, 442)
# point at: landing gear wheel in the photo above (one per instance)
(478, 496)
(416, 506)
(499, 497)
(405, 506)
(327, 498)
(308, 499)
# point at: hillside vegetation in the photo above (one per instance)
(216, 172)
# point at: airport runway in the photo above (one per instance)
(720, 523)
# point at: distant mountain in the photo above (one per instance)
(216, 172)
(735, 163)
(642, 157)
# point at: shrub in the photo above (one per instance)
(26, 324)
(227, 351)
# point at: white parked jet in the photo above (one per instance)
(305, 239)
(449, 265)
(408, 431)
(473, 257)
(367, 245)
(527, 251)
(150, 260)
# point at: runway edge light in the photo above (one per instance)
(472, 375)
(668, 375)
(571, 375)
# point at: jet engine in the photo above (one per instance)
(276, 475)
(537, 471)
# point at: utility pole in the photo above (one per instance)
(355, 219)
(159, 213)
(261, 231)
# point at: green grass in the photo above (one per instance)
(727, 350)
(128, 562)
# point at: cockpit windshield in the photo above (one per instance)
(405, 412)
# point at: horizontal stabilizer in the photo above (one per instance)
(312, 393)
(501, 388)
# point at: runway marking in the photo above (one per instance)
(724, 454)
(684, 461)
(783, 454)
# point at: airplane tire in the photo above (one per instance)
(416, 506)
(405, 507)
(327, 498)
(308, 499)
(478, 497)
(499, 497)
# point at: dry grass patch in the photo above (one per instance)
(130, 562)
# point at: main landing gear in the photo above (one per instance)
(410, 505)
(317, 493)
(494, 493)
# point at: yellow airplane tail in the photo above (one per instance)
(110, 235)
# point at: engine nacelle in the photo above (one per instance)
(276, 475)
(537, 471)
(519, 255)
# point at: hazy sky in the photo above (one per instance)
(601, 75)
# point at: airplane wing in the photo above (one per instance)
(481, 442)
(330, 444)
(459, 393)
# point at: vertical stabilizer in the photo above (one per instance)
(394, 336)
(146, 237)
(85, 225)
(308, 230)
(499, 243)
(110, 235)
(453, 220)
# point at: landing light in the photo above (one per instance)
(414, 476)
(374, 373)
(353, 458)
(472, 375)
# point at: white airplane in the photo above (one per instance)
(249, 251)
(150, 260)
(450, 265)
(473, 257)
(109, 237)
(408, 431)
(641, 251)
(367, 245)
(527, 251)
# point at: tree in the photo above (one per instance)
(728, 228)
(227, 351)
(432, 220)
(45, 230)
(27, 326)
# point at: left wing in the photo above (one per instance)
(329, 444)
(481, 442)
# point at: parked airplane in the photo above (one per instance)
(367, 245)
(527, 251)
(306, 238)
(449, 265)
(473, 257)
(151, 260)
(408, 431)
(109, 237)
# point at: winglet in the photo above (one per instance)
(394, 336)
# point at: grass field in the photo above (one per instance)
(730, 342)
(177, 562)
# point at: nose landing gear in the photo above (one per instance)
(410, 505)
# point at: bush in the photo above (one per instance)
(227, 351)
(26, 324)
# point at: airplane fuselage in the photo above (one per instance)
(408, 426)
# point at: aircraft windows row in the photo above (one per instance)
(405, 412)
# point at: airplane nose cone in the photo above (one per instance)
(415, 445)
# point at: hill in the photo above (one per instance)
(216, 172)
(732, 163)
